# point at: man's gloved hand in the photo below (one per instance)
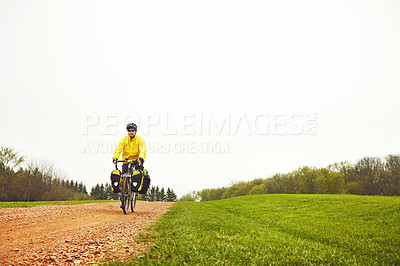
(115, 160)
(140, 161)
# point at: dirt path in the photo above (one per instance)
(74, 234)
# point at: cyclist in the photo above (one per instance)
(133, 147)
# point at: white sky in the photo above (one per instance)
(176, 66)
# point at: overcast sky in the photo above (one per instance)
(222, 90)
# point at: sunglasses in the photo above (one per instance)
(131, 130)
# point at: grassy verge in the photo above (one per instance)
(278, 229)
(18, 204)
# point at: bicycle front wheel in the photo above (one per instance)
(126, 195)
(133, 201)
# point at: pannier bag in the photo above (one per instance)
(146, 182)
(140, 181)
(116, 181)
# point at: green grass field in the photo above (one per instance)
(278, 229)
(18, 204)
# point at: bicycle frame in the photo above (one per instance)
(127, 196)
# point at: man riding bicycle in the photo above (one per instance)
(133, 147)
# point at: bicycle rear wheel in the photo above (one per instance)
(126, 195)
(133, 201)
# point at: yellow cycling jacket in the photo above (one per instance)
(132, 148)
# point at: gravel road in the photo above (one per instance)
(74, 234)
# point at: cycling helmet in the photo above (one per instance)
(132, 126)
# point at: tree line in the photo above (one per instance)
(104, 192)
(38, 181)
(156, 194)
(368, 176)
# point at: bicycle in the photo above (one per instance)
(127, 196)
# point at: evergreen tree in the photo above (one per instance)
(67, 184)
(152, 195)
(84, 189)
(174, 196)
(168, 194)
(171, 196)
(163, 197)
(95, 192)
(158, 195)
(102, 192)
(76, 187)
(80, 187)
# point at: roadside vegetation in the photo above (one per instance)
(38, 181)
(154, 193)
(278, 229)
(21, 204)
(368, 176)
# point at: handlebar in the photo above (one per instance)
(124, 161)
